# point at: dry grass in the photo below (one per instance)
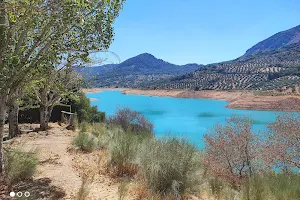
(19, 165)
(84, 189)
(170, 166)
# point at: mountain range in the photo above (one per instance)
(135, 72)
(273, 63)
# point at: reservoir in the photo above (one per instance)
(187, 118)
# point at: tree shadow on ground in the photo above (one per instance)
(39, 189)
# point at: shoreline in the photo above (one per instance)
(244, 100)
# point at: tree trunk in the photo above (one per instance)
(43, 117)
(3, 99)
(45, 114)
(3, 94)
(13, 115)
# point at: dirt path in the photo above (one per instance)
(60, 165)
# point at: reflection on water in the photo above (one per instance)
(153, 112)
(260, 122)
(207, 114)
(190, 118)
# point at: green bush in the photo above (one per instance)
(123, 147)
(19, 165)
(98, 129)
(84, 127)
(84, 140)
(86, 112)
(170, 165)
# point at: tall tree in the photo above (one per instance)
(30, 29)
(54, 86)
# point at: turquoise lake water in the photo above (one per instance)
(188, 118)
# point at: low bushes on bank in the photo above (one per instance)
(131, 121)
(170, 165)
(83, 140)
(123, 150)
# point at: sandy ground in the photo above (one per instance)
(59, 169)
(236, 99)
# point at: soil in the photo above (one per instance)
(60, 168)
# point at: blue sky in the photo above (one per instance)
(199, 31)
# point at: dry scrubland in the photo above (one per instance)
(121, 160)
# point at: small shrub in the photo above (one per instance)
(84, 126)
(96, 116)
(170, 166)
(123, 148)
(98, 129)
(76, 124)
(19, 165)
(84, 141)
(86, 112)
(131, 121)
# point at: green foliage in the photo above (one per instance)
(19, 165)
(123, 147)
(84, 141)
(96, 116)
(84, 126)
(98, 129)
(170, 165)
(86, 112)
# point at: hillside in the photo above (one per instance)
(277, 41)
(271, 64)
(277, 69)
(137, 71)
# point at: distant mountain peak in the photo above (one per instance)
(276, 41)
(146, 54)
